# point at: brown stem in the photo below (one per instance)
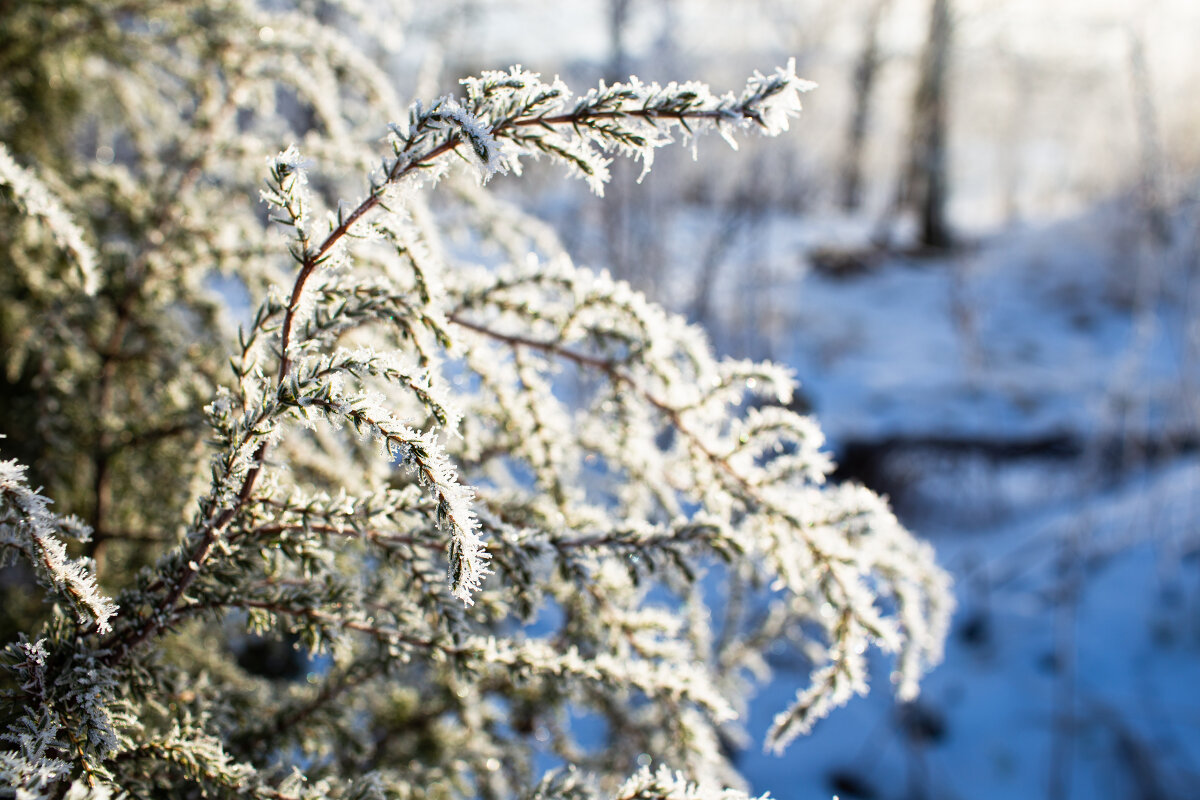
(348, 532)
(312, 259)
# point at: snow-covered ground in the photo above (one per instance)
(1067, 329)
(1035, 393)
(1071, 672)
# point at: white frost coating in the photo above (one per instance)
(657, 679)
(287, 188)
(418, 450)
(292, 162)
(508, 115)
(32, 532)
(81, 791)
(34, 199)
(666, 784)
(484, 149)
(468, 556)
(525, 89)
(776, 99)
(754, 470)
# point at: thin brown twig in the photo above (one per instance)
(673, 416)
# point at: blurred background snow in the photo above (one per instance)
(1025, 389)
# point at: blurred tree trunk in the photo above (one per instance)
(618, 55)
(1152, 180)
(927, 183)
(741, 212)
(617, 210)
(631, 246)
(866, 70)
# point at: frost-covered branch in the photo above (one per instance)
(28, 527)
(760, 475)
(508, 115)
(469, 505)
(35, 200)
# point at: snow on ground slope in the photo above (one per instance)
(1037, 393)
(1068, 329)
(1077, 644)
